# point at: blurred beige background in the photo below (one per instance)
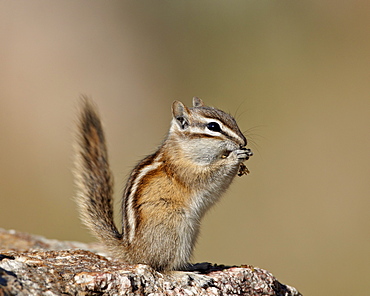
(294, 73)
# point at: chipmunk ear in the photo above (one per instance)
(181, 114)
(197, 102)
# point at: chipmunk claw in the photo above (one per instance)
(244, 153)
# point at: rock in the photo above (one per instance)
(33, 265)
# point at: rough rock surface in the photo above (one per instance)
(33, 265)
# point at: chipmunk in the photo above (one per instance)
(168, 192)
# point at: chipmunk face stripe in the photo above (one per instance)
(226, 131)
(200, 129)
(225, 120)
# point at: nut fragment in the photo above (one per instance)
(243, 170)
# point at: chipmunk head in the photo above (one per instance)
(206, 134)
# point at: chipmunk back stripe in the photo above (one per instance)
(149, 164)
(127, 227)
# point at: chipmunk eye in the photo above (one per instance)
(214, 126)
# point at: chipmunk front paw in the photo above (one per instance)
(244, 153)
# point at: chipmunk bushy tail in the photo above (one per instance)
(94, 180)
